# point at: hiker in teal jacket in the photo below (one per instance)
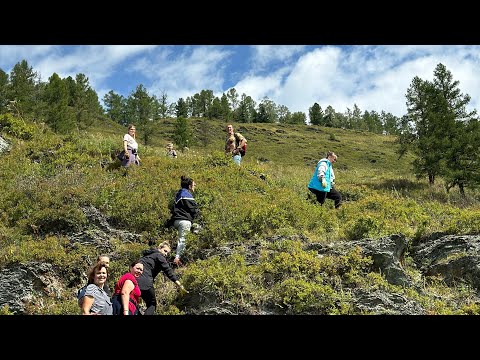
(323, 181)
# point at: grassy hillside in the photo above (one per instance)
(46, 181)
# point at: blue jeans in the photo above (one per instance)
(237, 158)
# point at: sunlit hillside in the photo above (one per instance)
(50, 183)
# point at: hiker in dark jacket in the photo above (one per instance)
(184, 211)
(154, 260)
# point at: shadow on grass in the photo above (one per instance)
(400, 185)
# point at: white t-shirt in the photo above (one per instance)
(131, 143)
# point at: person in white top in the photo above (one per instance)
(171, 152)
(130, 146)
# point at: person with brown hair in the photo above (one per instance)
(323, 180)
(96, 301)
(130, 147)
(127, 293)
(81, 293)
(106, 260)
(154, 260)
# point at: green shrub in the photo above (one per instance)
(225, 280)
(4, 310)
(16, 127)
(300, 296)
(289, 260)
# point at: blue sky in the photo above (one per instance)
(373, 77)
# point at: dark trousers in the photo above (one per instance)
(148, 296)
(118, 307)
(332, 195)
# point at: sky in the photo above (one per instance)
(374, 77)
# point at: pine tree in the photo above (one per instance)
(433, 127)
(58, 114)
(181, 110)
(22, 88)
(3, 91)
(115, 107)
(315, 114)
(183, 134)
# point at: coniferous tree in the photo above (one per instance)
(71, 89)
(58, 114)
(232, 96)
(267, 111)
(420, 137)
(356, 120)
(390, 123)
(372, 122)
(183, 133)
(115, 107)
(181, 110)
(462, 161)
(434, 110)
(330, 117)
(206, 100)
(140, 111)
(22, 88)
(86, 106)
(163, 106)
(315, 114)
(458, 131)
(261, 115)
(3, 91)
(246, 112)
(299, 117)
(215, 110)
(241, 113)
(225, 106)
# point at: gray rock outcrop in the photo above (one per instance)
(454, 257)
(4, 145)
(23, 283)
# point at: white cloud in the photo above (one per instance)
(186, 73)
(315, 77)
(373, 77)
(12, 54)
(97, 62)
(257, 87)
(265, 54)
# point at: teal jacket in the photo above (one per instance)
(315, 182)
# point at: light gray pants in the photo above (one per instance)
(183, 226)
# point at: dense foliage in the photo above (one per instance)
(48, 179)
